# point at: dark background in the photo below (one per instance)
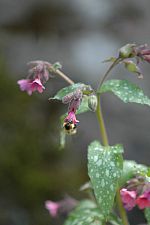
(80, 34)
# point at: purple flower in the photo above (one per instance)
(128, 198)
(36, 85)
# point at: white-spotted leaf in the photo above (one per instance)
(104, 168)
(126, 91)
(86, 213)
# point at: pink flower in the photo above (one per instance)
(71, 118)
(36, 85)
(143, 201)
(31, 85)
(25, 85)
(128, 198)
(52, 207)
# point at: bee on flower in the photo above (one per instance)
(74, 100)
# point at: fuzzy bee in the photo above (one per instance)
(70, 127)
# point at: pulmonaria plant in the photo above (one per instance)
(116, 185)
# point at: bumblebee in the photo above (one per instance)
(70, 127)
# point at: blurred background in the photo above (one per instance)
(79, 34)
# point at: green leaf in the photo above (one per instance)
(147, 215)
(86, 213)
(65, 91)
(125, 90)
(84, 105)
(131, 169)
(104, 167)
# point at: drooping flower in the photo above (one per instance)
(128, 198)
(143, 201)
(25, 85)
(31, 85)
(38, 74)
(52, 207)
(37, 85)
(70, 122)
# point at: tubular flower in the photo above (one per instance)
(128, 198)
(143, 201)
(31, 85)
(70, 122)
(36, 85)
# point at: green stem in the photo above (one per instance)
(106, 143)
(101, 123)
(121, 209)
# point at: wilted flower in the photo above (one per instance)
(143, 201)
(128, 198)
(143, 51)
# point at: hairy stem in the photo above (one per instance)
(62, 75)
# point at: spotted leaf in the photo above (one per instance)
(126, 91)
(104, 169)
(86, 213)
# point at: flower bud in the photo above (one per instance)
(127, 51)
(132, 67)
(92, 102)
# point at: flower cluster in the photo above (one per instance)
(136, 193)
(74, 100)
(37, 76)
